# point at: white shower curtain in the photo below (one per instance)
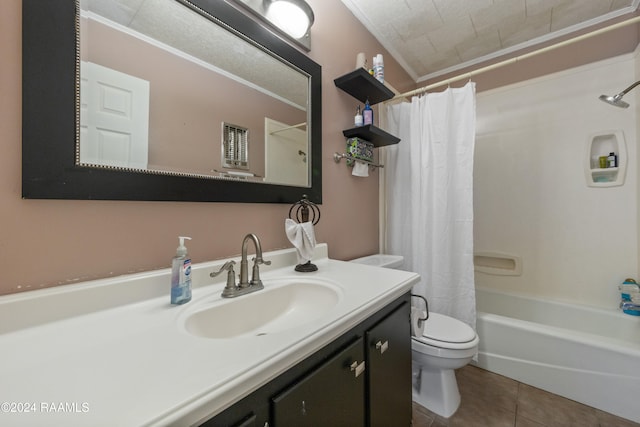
(429, 196)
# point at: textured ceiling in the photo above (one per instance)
(433, 37)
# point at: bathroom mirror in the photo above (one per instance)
(208, 72)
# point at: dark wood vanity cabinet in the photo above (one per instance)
(362, 378)
(332, 395)
(389, 370)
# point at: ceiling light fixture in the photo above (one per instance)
(294, 17)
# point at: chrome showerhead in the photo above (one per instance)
(617, 99)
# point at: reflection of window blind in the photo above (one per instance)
(235, 146)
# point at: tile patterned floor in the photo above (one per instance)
(491, 400)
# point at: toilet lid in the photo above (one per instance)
(443, 328)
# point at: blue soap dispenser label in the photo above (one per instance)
(185, 279)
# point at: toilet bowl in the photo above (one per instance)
(445, 345)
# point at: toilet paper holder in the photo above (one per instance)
(426, 305)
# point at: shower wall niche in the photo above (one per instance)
(599, 145)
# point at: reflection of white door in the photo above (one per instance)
(114, 118)
(286, 154)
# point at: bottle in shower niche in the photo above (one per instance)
(181, 274)
(612, 160)
(367, 114)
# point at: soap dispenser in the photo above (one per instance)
(181, 275)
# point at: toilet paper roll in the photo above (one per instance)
(360, 169)
(417, 325)
(360, 60)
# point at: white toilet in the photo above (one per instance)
(445, 345)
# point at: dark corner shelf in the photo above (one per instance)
(375, 135)
(362, 86)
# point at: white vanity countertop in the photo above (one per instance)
(114, 352)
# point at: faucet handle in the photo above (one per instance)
(260, 260)
(255, 276)
(231, 277)
(227, 266)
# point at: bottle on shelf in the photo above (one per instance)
(378, 68)
(367, 114)
(361, 61)
(358, 120)
(612, 160)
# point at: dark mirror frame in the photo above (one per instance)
(49, 114)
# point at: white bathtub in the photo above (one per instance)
(586, 354)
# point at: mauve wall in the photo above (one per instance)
(46, 243)
(53, 242)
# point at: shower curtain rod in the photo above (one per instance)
(510, 61)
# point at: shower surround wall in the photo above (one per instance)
(577, 243)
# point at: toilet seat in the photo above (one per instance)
(446, 332)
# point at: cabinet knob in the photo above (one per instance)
(382, 346)
(357, 368)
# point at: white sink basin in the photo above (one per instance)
(283, 304)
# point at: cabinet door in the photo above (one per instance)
(389, 370)
(332, 395)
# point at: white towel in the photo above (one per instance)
(302, 238)
(360, 169)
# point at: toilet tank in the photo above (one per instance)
(381, 260)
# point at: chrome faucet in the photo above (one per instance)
(244, 286)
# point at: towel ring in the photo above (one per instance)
(302, 210)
